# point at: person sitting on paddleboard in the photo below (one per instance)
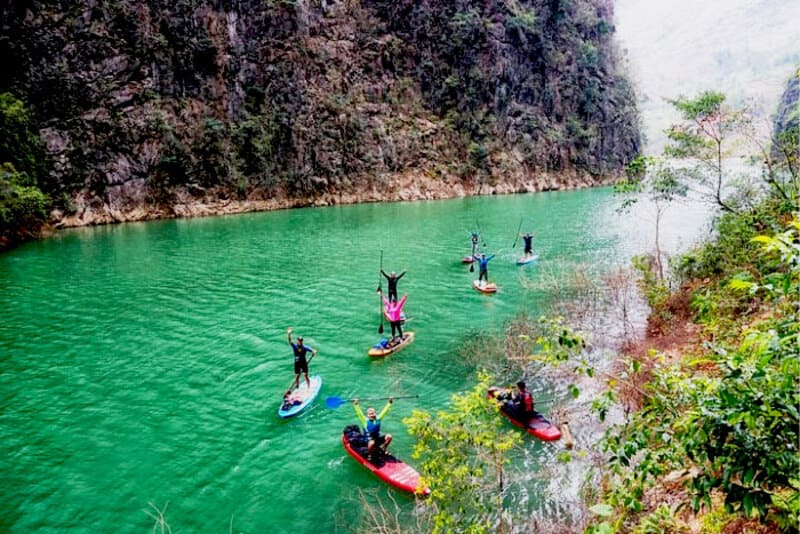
(523, 402)
(371, 426)
(300, 362)
(394, 311)
(392, 283)
(483, 266)
(528, 240)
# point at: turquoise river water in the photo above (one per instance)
(144, 363)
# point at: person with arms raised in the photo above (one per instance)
(371, 427)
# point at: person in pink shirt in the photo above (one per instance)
(394, 310)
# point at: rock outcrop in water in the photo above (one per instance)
(158, 109)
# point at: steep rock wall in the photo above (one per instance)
(158, 109)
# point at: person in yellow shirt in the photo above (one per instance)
(371, 427)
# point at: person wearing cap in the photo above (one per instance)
(371, 427)
(392, 280)
(523, 402)
(300, 362)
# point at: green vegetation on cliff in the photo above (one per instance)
(22, 204)
(147, 104)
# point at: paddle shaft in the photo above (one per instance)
(480, 232)
(385, 398)
(380, 295)
(517, 236)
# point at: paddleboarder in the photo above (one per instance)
(483, 266)
(392, 280)
(474, 243)
(527, 239)
(394, 311)
(371, 427)
(523, 404)
(300, 361)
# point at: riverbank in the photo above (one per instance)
(408, 186)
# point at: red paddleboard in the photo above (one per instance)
(485, 287)
(537, 425)
(467, 259)
(386, 467)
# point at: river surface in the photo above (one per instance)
(144, 363)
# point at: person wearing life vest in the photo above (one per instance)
(394, 311)
(300, 362)
(371, 427)
(523, 402)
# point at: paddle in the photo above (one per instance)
(335, 402)
(480, 233)
(380, 294)
(517, 236)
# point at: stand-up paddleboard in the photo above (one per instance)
(538, 425)
(485, 287)
(467, 259)
(525, 260)
(394, 472)
(301, 397)
(379, 351)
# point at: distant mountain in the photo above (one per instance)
(744, 48)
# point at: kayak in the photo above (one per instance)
(538, 425)
(485, 287)
(525, 260)
(467, 259)
(379, 351)
(394, 472)
(301, 397)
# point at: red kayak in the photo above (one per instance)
(537, 425)
(388, 468)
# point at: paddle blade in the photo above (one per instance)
(380, 329)
(334, 402)
(471, 268)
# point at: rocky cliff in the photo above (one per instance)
(167, 108)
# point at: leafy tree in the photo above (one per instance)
(662, 184)
(707, 138)
(464, 451)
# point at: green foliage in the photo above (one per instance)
(707, 105)
(463, 453)
(737, 428)
(18, 144)
(661, 521)
(23, 208)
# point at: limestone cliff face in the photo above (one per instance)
(162, 108)
(786, 127)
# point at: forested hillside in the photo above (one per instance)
(146, 109)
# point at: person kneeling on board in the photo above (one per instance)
(371, 427)
(522, 404)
